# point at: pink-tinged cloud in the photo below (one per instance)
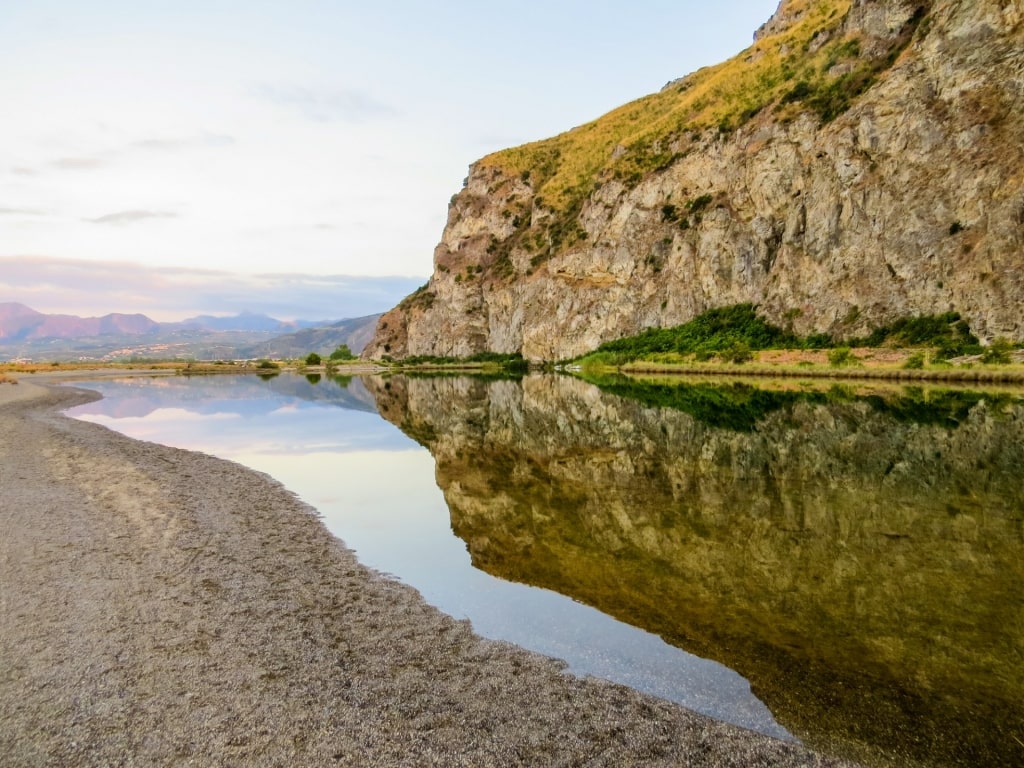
(92, 288)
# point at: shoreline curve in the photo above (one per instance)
(163, 606)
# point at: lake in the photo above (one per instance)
(839, 565)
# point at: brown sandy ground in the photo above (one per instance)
(161, 607)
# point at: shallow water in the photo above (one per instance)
(857, 554)
(375, 489)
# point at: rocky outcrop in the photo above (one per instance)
(858, 559)
(871, 170)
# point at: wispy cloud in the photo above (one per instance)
(108, 157)
(93, 288)
(20, 212)
(132, 217)
(203, 141)
(80, 163)
(327, 105)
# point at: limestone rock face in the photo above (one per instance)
(910, 201)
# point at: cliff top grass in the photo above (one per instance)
(812, 64)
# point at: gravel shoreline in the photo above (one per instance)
(164, 607)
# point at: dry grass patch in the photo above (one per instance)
(812, 66)
(653, 131)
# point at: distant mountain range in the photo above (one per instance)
(18, 322)
(26, 333)
(247, 321)
(356, 333)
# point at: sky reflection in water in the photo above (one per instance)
(375, 489)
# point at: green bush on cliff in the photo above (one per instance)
(998, 352)
(948, 332)
(729, 331)
(734, 333)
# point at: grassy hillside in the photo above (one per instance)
(814, 65)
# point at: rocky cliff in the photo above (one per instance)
(862, 160)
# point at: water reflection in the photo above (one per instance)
(858, 556)
(377, 491)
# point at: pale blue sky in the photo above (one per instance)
(318, 138)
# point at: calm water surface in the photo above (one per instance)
(856, 554)
(376, 490)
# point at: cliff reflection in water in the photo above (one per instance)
(859, 559)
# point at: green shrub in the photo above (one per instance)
(799, 92)
(715, 331)
(737, 352)
(915, 362)
(342, 353)
(267, 365)
(841, 357)
(726, 331)
(948, 331)
(818, 341)
(313, 359)
(700, 203)
(998, 352)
